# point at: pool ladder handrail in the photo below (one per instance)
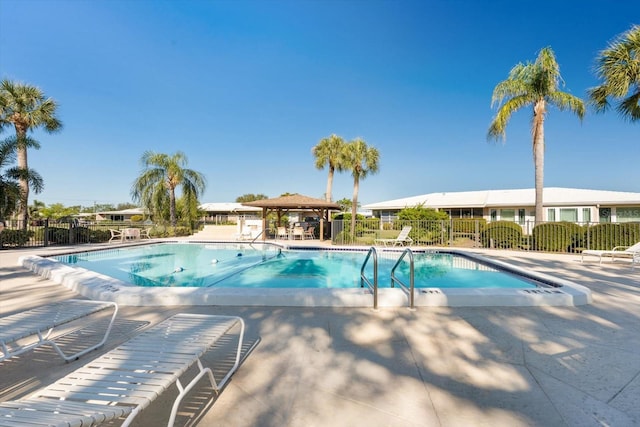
(363, 278)
(408, 289)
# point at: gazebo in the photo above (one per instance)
(284, 204)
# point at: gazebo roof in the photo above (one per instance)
(296, 201)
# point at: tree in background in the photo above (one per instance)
(618, 67)
(345, 204)
(188, 209)
(26, 108)
(361, 160)
(250, 198)
(9, 186)
(420, 213)
(10, 189)
(35, 210)
(328, 152)
(536, 85)
(56, 211)
(156, 187)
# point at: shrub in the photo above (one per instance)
(558, 236)
(15, 237)
(464, 225)
(58, 235)
(136, 218)
(609, 235)
(501, 234)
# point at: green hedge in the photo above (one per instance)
(609, 235)
(501, 234)
(463, 225)
(15, 237)
(558, 237)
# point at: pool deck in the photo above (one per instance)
(433, 366)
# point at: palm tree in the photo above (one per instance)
(26, 108)
(328, 153)
(9, 179)
(533, 84)
(361, 160)
(162, 174)
(618, 67)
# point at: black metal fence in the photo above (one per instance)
(15, 234)
(564, 237)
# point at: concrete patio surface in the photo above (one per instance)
(435, 366)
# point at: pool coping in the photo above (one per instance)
(100, 287)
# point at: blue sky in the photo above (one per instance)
(246, 88)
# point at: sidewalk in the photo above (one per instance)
(503, 366)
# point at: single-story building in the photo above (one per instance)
(227, 212)
(560, 204)
(122, 215)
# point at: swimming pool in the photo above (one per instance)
(175, 273)
(267, 266)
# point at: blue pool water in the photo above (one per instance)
(267, 266)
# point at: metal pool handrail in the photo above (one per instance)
(363, 279)
(409, 290)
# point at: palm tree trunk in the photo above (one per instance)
(354, 206)
(538, 158)
(172, 207)
(329, 185)
(23, 207)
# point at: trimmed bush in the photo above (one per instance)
(501, 234)
(558, 237)
(609, 235)
(58, 235)
(15, 237)
(464, 225)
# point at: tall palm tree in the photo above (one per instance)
(9, 178)
(361, 160)
(328, 153)
(157, 184)
(26, 108)
(536, 85)
(618, 67)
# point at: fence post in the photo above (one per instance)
(46, 232)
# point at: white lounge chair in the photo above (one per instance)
(33, 328)
(402, 239)
(617, 252)
(116, 235)
(125, 380)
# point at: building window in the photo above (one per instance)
(521, 216)
(569, 215)
(586, 214)
(551, 215)
(507, 214)
(605, 215)
(627, 214)
(494, 215)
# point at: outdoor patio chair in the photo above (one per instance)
(116, 235)
(402, 239)
(309, 233)
(144, 233)
(126, 380)
(617, 252)
(282, 233)
(33, 328)
(298, 232)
